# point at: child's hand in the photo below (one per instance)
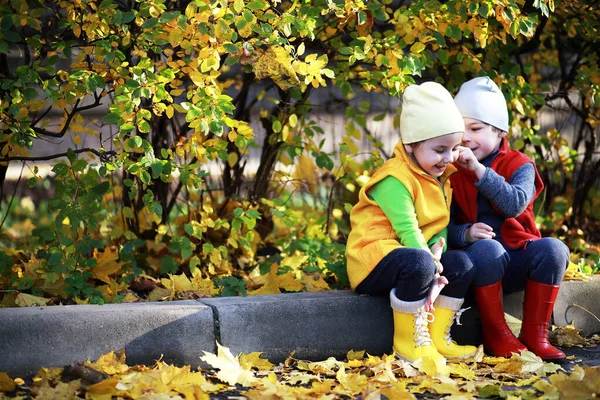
(467, 160)
(438, 281)
(479, 231)
(434, 291)
(436, 250)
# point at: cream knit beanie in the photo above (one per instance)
(480, 98)
(428, 111)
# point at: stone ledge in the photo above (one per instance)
(60, 335)
(313, 325)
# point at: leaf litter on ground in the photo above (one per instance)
(360, 376)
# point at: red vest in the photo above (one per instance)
(515, 232)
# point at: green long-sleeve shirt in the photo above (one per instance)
(397, 205)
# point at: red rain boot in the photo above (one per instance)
(497, 337)
(537, 309)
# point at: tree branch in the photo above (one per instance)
(103, 155)
(70, 116)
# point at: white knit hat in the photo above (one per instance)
(480, 98)
(428, 111)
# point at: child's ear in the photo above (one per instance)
(502, 134)
(408, 148)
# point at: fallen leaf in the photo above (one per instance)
(106, 264)
(110, 363)
(229, 367)
(533, 363)
(29, 300)
(6, 383)
(566, 336)
(253, 360)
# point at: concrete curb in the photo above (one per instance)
(314, 326)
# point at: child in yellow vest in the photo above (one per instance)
(399, 226)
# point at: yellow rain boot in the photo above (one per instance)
(447, 309)
(411, 336)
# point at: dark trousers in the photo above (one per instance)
(411, 272)
(544, 261)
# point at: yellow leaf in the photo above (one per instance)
(431, 367)
(315, 283)
(253, 360)
(288, 282)
(169, 111)
(533, 363)
(102, 390)
(159, 294)
(29, 300)
(418, 47)
(232, 159)
(352, 383)
(398, 391)
(229, 367)
(107, 264)
(355, 355)
(110, 363)
(63, 391)
(6, 384)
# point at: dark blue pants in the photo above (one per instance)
(544, 261)
(411, 272)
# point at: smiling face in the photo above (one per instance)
(481, 138)
(434, 155)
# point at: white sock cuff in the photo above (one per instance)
(451, 303)
(408, 307)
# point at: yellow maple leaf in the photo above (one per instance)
(355, 355)
(461, 370)
(431, 367)
(352, 383)
(253, 360)
(106, 264)
(583, 383)
(229, 367)
(315, 283)
(533, 363)
(272, 283)
(6, 383)
(110, 363)
(102, 390)
(398, 391)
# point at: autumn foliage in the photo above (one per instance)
(200, 164)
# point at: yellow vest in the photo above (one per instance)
(372, 236)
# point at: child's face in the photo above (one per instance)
(434, 155)
(481, 138)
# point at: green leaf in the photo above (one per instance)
(112, 118)
(150, 23)
(257, 5)
(323, 161)
(101, 188)
(60, 169)
(169, 16)
(362, 17)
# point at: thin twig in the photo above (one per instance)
(584, 309)
(12, 197)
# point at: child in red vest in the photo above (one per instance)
(399, 227)
(493, 220)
